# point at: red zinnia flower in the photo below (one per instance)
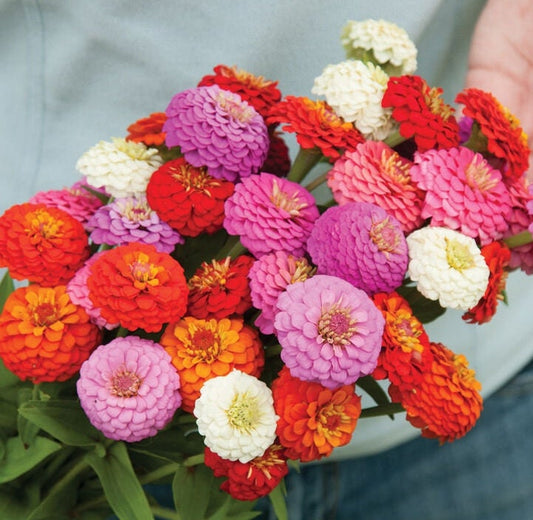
(316, 125)
(256, 90)
(220, 288)
(313, 420)
(497, 256)
(505, 138)
(278, 160)
(148, 130)
(43, 335)
(188, 198)
(42, 244)
(251, 480)
(421, 113)
(138, 287)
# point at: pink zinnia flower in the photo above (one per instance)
(361, 243)
(464, 193)
(131, 219)
(330, 332)
(129, 388)
(270, 214)
(215, 128)
(374, 172)
(269, 276)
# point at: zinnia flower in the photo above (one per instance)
(421, 113)
(446, 404)
(139, 287)
(42, 244)
(269, 276)
(504, 138)
(382, 42)
(203, 349)
(270, 214)
(43, 335)
(330, 331)
(251, 480)
(220, 288)
(447, 266)
(354, 90)
(131, 219)
(313, 420)
(463, 192)
(148, 130)
(361, 243)
(121, 167)
(129, 389)
(316, 125)
(215, 128)
(235, 414)
(189, 199)
(278, 161)
(373, 172)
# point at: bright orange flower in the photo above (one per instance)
(43, 335)
(446, 404)
(313, 420)
(497, 257)
(203, 349)
(148, 130)
(42, 244)
(138, 287)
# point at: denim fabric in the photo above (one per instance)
(487, 475)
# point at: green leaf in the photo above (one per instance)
(63, 419)
(19, 459)
(8, 415)
(191, 489)
(424, 309)
(122, 489)
(13, 506)
(27, 430)
(277, 499)
(374, 390)
(6, 288)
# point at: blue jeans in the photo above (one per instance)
(486, 475)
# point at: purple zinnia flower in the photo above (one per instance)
(330, 331)
(131, 219)
(217, 129)
(361, 243)
(270, 214)
(129, 388)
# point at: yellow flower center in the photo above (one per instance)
(44, 314)
(192, 178)
(407, 331)
(392, 165)
(435, 103)
(144, 272)
(136, 211)
(458, 255)
(41, 225)
(202, 340)
(302, 270)
(478, 175)
(243, 413)
(236, 109)
(385, 236)
(125, 383)
(289, 203)
(336, 326)
(211, 275)
(136, 151)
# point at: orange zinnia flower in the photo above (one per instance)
(43, 335)
(312, 418)
(203, 349)
(42, 244)
(148, 130)
(446, 404)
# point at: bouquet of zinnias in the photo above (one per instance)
(195, 318)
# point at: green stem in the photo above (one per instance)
(321, 179)
(194, 460)
(163, 512)
(232, 248)
(520, 239)
(384, 409)
(304, 162)
(122, 332)
(394, 139)
(71, 474)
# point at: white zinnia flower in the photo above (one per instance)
(354, 90)
(122, 167)
(447, 266)
(382, 42)
(235, 413)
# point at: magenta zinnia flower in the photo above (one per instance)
(131, 219)
(464, 193)
(129, 388)
(270, 214)
(330, 332)
(215, 128)
(361, 243)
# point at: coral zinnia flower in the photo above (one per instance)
(253, 479)
(42, 244)
(446, 404)
(43, 335)
(220, 288)
(316, 125)
(187, 198)
(373, 172)
(129, 389)
(313, 420)
(421, 113)
(203, 349)
(148, 130)
(497, 257)
(255, 90)
(139, 287)
(505, 139)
